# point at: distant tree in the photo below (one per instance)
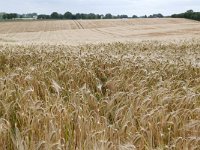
(123, 16)
(98, 16)
(54, 15)
(73, 16)
(134, 16)
(156, 16)
(34, 14)
(108, 16)
(4, 16)
(190, 14)
(83, 16)
(60, 16)
(145, 16)
(91, 16)
(44, 16)
(9, 16)
(68, 15)
(190, 11)
(160, 15)
(1, 15)
(78, 16)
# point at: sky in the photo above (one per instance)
(129, 7)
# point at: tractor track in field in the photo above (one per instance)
(107, 33)
(78, 24)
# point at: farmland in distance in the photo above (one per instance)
(75, 32)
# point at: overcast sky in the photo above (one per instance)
(129, 7)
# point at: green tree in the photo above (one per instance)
(98, 16)
(91, 16)
(68, 15)
(54, 15)
(1, 15)
(78, 16)
(190, 11)
(134, 16)
(10, 16)
(108, 16)
(190, 14)
(42, 16)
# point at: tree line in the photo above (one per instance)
(68, 15)
(9, 16)
(15, 15)
(55, 15)
(190, 14)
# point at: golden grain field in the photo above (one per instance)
(119, 96)
(76, 32)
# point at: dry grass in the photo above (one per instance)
(107, 96)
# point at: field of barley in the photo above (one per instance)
(119, 95)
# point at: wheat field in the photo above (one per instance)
(117, 96)
(100, 85)
(76, 32)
